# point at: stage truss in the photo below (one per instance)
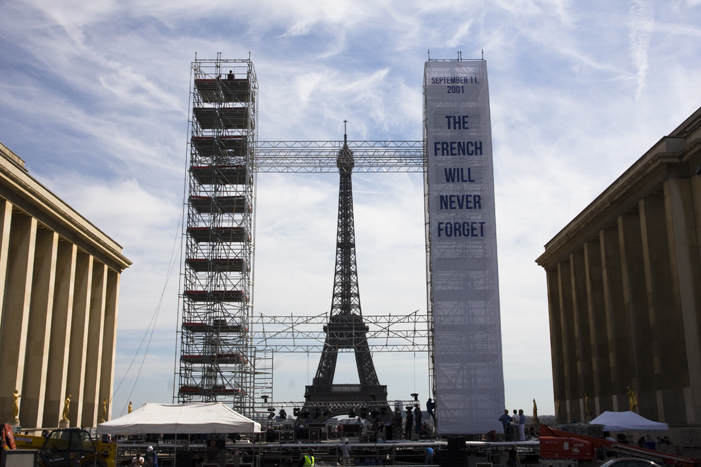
(320, 156)
(272, 334)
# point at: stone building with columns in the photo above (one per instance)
(59, 297)
(624, 291)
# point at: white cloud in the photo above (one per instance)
(642, 23)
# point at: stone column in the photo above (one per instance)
(686, 275)
(13, 335)
(556, 341)
(93, 361)
(57, 370)
(569, 407)
(5, 223)
(580, 309)
(635, 297)
(79, 336)
(617, 319)
(601, 368)
(39, 329)
(109, 341)
(669, 352)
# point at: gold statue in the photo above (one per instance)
(535, 410)
(66, 408)
(586, 407)
(557, 406)
(103, 419)
(15, 405)
(632, 399)
(129, 407)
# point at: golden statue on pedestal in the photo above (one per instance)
(66, 408)
(15, 405)
(129, 407)
(587, 409)
(632, 399)
(103, 419)
(535, 410)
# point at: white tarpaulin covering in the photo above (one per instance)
(627, 421)
(180, 418)
(464, 292)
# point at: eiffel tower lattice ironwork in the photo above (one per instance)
(345, 329)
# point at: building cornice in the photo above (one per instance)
(32, 197)
(671, 157)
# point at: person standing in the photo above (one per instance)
(505, 420)
(213, 453)
(512, 459)
(430, 407)
(397, 422)
(514, 426)
(409, 423)
(521, 425)
(151, 458)
(345, 453)
(418, 418)
(429, 456)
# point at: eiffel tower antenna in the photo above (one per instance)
(345, 329)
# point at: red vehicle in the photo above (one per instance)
(562, 445)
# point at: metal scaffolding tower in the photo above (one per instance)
(217, 360)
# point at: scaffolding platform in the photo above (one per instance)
(226, 118)
(218, 234)
(220, 175)
(216, 264)
(221, 358)
(219, 204)
(215, 295)
(224, 90)
(210, 146)
(217, 391)
(218, 327)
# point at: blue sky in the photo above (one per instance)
(94, 97)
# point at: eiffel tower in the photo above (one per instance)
(345, 329)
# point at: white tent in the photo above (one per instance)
(627, 421)
(178, 418)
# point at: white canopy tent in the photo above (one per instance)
(179, 419)
(627, 421)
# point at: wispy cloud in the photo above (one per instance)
(642, 23)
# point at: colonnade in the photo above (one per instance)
(624, 293)
(59, 299)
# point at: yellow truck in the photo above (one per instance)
(69, 447)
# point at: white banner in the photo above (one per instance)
(464, 291)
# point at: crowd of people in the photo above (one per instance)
(408, 424)
(150, 459)
(515, 426)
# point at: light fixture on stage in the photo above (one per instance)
(296, 411)
(415, 396)
(283, 414)
(271, 412)
(265, 398)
